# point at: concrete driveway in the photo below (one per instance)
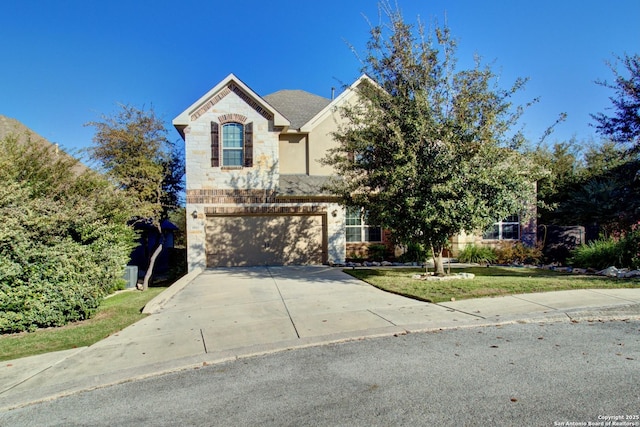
(224, 314)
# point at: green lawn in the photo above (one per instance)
(114, 314)
(489, 281)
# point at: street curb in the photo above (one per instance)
(595, 314)
(159, 301)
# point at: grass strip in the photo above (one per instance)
(114, 314)
(488, 282)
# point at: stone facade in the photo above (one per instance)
(218, 191)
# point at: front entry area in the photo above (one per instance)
(250, 240)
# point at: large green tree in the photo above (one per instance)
(134, 152)
(562, 165)
(623, 124)
(428, 150)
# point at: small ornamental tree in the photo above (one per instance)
(427, 150)
(133, 151)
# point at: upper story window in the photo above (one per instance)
(232, 146)
(507, 229)
(357, 228)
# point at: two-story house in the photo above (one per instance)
(254, 180)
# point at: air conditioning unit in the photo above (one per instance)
(131, 276)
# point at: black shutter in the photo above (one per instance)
(215, 145)
(248, 145)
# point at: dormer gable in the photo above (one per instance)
(345, 96)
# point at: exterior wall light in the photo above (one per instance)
(194, 214)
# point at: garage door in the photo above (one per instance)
(264, 240)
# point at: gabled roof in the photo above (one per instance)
(297, 109)
(24, 135)
(302, 185)
(229, 83)
(347, 94)
(297, 105)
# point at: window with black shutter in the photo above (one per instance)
(232, 146)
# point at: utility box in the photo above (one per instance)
(131, 276)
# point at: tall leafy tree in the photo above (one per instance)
(132, 148)
(428, 151)
(623, 125)
(562, 167)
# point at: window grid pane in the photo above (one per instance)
(232, 157)
(507, 229)
(354, 234)
(232, 144)
(354, 216)
(232, 135)
(510, 231)
(373, 234)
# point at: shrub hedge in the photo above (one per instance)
(477, 254)
(622, 252)
(64, 241)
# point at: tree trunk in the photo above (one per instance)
(438, 265)
(152, 262)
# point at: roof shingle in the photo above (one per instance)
(297, 106)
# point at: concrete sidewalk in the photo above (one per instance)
(225, 314)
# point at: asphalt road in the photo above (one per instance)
(523, 374)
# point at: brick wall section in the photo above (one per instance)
(247, 196)
(264, 210)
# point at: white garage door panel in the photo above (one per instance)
(264, 240)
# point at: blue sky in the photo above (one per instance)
(66, 62)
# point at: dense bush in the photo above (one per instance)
(477, 254)
(377, 252)
(598, 254)
(63, 238)
(518, 253)
(414, 253)
(623, 252)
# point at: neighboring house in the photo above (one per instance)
(13, 128)
(254, 180)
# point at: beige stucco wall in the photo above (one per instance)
(320, 141)
(293, 154)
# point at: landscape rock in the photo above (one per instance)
(609, 272)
